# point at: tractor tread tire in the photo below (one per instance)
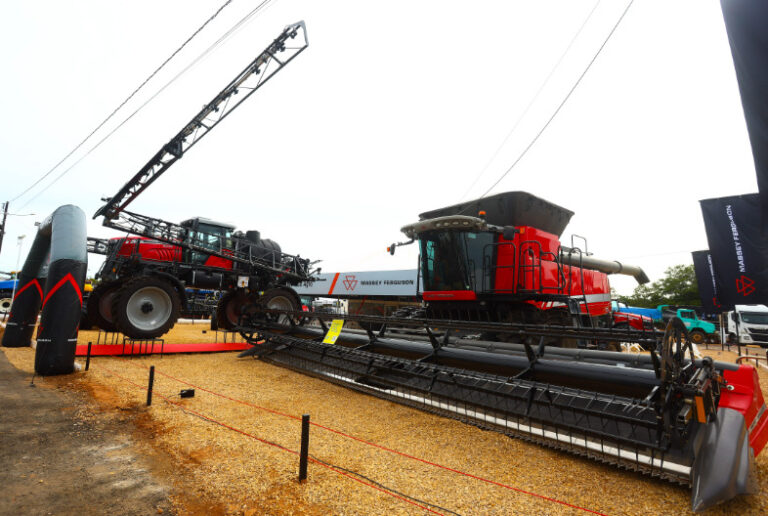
(119, 305)
(95, 316)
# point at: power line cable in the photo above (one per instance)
(209, 20)
(199, 58)
(532, 101)
(573, 88)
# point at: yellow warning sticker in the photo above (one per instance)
(333, 331)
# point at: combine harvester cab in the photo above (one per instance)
(665, 414)
(500, 259)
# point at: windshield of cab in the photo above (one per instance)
(754, 317)
(453, 260)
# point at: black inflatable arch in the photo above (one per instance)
(57, 288)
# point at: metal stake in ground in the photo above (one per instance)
(304, 448)
(88, 356)
(149, 387)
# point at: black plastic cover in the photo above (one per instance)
(511, 209)
(746, 22)
(724, 464)
(705, 278)
(26, 306)
(738, 245)
(60, 318)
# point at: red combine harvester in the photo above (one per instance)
(506, 264)
(505, 275)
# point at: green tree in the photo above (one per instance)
(677, 287)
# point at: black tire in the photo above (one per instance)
(281, 299)
(85, 322)
(99, 306)
(146, 307)
(228, 310)
(5, 302)
(697, 337)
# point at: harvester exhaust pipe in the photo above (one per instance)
(578, 259)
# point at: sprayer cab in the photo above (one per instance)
(207, 234)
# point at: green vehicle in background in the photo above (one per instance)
(699, 330)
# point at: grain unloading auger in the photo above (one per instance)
(537, 367)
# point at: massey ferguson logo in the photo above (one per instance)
(745, 286)
(350, 282)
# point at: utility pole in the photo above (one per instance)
(2, 226)
(19, 242)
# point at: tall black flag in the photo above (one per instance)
(738, 247)
(746, 22)
(705, 278)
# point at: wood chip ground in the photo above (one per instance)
(236, 474)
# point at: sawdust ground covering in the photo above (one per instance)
(219, 471)
(182, 333)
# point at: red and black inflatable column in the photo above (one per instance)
(59, 322)
(29, 296)
(23, 317)
(64, 233)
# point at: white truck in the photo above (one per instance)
(747, 324)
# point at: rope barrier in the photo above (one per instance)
(379, 446)
(270, 443)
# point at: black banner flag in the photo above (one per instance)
(705, 278)
(746, 22)
(738, 248)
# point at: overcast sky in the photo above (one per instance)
(395, 108)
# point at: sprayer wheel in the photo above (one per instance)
(280, 299)
(99, 306)
(228, 309)
(146, 307)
